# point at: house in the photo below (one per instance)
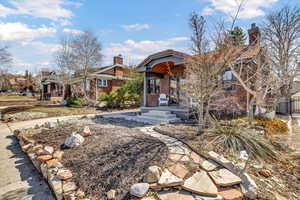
(164, 74)
(100, 80)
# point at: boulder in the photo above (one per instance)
(200, 183)
(86, 132)
(64, 174)
(223, 177)
(139, 189)
(48, 150)
(224, 162)
(265, 173)
(111, 195)
(153, 174)
(248, 186)
(167, 179)
(74, 140)
(58, 155)
(69, 186)
(44, 158)
(56, 185)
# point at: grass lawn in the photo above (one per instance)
(61, 110)
(16, 98)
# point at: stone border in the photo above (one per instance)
(47, 162)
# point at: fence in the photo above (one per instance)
(291, 106)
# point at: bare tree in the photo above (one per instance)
(64, 61)
(197, 24)
(281, 34)
(5, 60)
(86, 54)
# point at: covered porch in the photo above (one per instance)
(163, 77)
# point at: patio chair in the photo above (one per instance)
(163, 100)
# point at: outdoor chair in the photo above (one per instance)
(163, 100)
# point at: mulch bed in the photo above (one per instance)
(116, 156)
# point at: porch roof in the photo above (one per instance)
(166, 56)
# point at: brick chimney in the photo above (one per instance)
(118, 60)
(254, 35)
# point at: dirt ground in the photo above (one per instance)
(114, 157)
(285, 179)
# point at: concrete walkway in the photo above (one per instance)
(18, 178)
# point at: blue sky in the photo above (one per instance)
(133, 28)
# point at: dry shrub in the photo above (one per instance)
(273, 126)
(233, 138)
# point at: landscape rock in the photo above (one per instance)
(167, 179)
(64, 174)
(176, 196)
(26, 147)
(48, 150)
(58, 155)
(200, 183)
(69, 186)
(86, 132)
(74, 140)
(111, 195)
(196, 158)
(224, 177)
(265, 173)
(205, 197)
(53, 163)
(56, 185)
(26, 140)
(209, 165)
(44, 158)
(153, 174)
(80, 194)
(70, 196)
(179, 158)
(248, 186)
(44, 170)
(224, 162)
(139, 189)
(231, 194)
(178, 170)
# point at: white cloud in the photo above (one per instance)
(72, 31)
(136, 27)
(250, 9)
(19, 31)
(51, 9)
(137, 51)
(207, 11)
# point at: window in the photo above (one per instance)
(228, 80)
(153, 86)
(102, 83)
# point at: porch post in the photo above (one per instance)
(145, 89)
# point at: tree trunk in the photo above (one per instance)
(200, 117)
(250, 112)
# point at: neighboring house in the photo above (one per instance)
(164, 76)
(22, 83)
(100, 80)
(291, 105)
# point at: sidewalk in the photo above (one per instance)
(18, 177)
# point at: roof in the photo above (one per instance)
(161, 54)
(242, 52)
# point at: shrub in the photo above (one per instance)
(75, 102)
(273, 126)
(233, 138)
(128, 95)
